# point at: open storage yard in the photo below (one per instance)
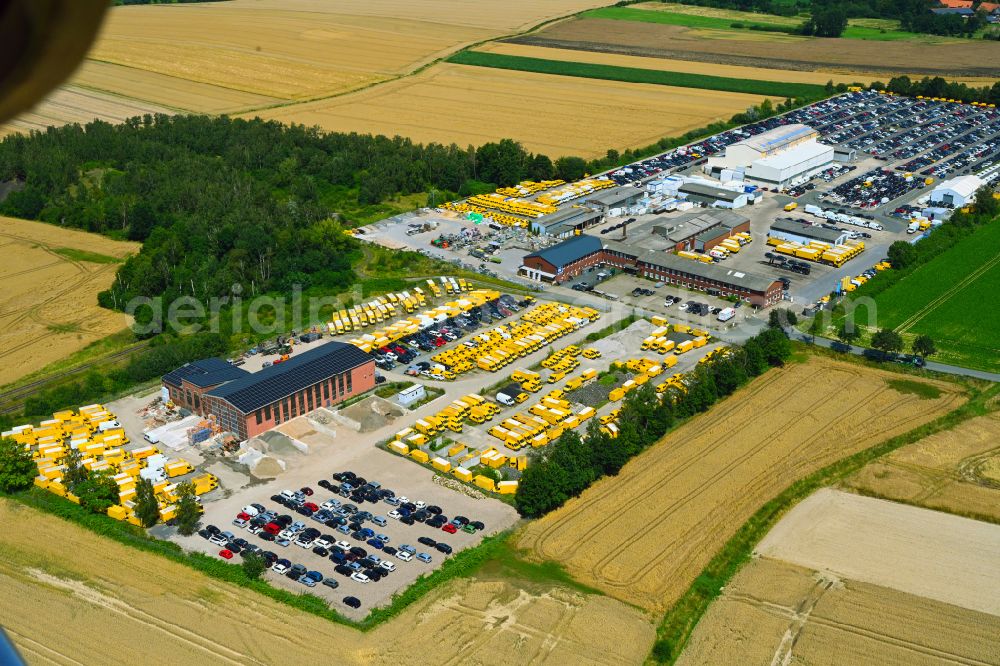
(644, 535)
(56, 575)
(582, 116)
(956, 471)
(39, 327)
(768, 50)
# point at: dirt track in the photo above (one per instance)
(921, 552)
(967, 58)
(644, 535)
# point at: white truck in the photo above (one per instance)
(913, 227)
(726, 314)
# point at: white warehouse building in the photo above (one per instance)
(776, 157)
(957, 192)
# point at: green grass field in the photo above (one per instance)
(950, 299)
(638, 75)
(766, 22)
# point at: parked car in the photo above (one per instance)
(353, 602)
(226, 554)
(424, 557)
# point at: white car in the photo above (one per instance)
(322, 542)
(684, 306)
(420, 504)
(403, 555)
(346, 545)
(387, 565)
(287, 534)
(403, 499)
(279, 568)
(240, 522)
(250, 511)
(395, 515)
(330, 504)
(360, 577)
(302, 542)
(218, 540)
(255, 529)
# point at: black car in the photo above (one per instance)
(269, 557)
(321, 551)
(336, 522)
(343, 570)
(278, 498)
(267, 536)
(359, 481)
(427, 541)
(421, 515)
(478, 525)
(359, 551)
(407, 520)
(436, 522)
(212, 529)
(242, 543)
(443, 548)
(389, 550)
(205, 534)
(375, 573)
(323, 483)
(331, 583)
(284, 520)
(296, 572)
(353, 602)
(357, 535)
(436, 510)
(304, 511)
(461, 520)
(408, 506)
(349, 508)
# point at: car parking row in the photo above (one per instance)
(872, 189)
(368, 557)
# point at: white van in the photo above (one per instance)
(726, 314)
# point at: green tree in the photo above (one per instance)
(571, 168)
(98, 492)
(828, 22)
(188, 509)
(253, 566)
(817, 326)
(901, 254)
(887, 341)
(781, 317)
(986, 204)
(848, 333)
(146, 508)
(75, 472)
(17, 469)
(923, 346)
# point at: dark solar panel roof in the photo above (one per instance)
(250, 393)
(205, 372)
(568, 251)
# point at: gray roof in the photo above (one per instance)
(710, 191)
(566, 216)
(816, 233)
(204, 372)
(751, 281)
(570, 250)
(269, 385)
(615, 195)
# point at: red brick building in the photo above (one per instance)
(563, 261)
(188, 384)
(252, 403)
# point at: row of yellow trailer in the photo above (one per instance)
(575, 190)
(528, 187)
(818, 251)
(512, 205)
(500, 346)
(500, 218)
(425, 318)
(388, 306)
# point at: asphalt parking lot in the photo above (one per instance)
(400, 475)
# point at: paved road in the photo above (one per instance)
(931, 365)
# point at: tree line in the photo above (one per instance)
(939, 87)
(572, 463)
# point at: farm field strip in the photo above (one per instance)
(957, 471)
(58, 575)
(671, 65)
(581, 118)
(926, 553)
(36, 327)
(73, 104)
(635, 75)
(685, 496)
(776, 612)
(958, 59)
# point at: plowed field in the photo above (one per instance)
(48, 304)
(644, 535)
(71, 597)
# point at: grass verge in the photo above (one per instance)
(619, 325)
(638, 75)
(83, 255)
(679, 622)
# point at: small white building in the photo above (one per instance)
(410, 395)
(957, 192)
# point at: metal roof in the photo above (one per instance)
(964, 186)
(269, 385)
(751, 281)
(204, 372)
(779, 137)
(566, 215)
(569, 250)
(794, 156)
(710, 191)
(799, 229)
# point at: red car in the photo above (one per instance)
(307, 491)
(449, 528)
(272, 528)
(311, 506)
(242, 516)
(226, 554)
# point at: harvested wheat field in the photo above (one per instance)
(48, 305)
(958, 59)
(670, 65)
(773, 612)
(55, 575)
(644, 535)
(472, 105)
(956, 471)
(73, 104)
